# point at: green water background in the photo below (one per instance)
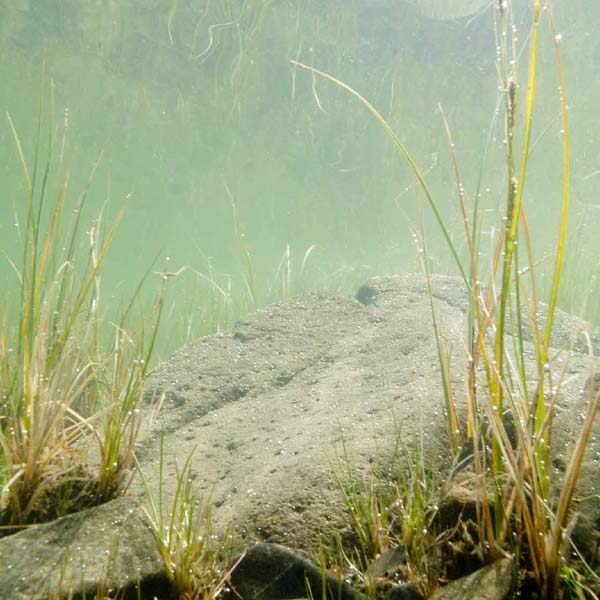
(233, 161)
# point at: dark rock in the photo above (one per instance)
(459, 503)
(367, 294)
(272, 572)
(405, 591)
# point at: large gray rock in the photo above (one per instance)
(266, 406)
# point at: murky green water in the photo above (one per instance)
(237, 163)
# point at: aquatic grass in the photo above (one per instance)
(322, 559)
(503, 313)
(45, 374)
(413, 494)
(414, 511)
(453, 421)
(129, 362)
(55, 374)
(193, 556)
(368, 506)
(390, 509)
(526, 496)
(285, 280)
(520, 464)
(227, 297)
(405, 153)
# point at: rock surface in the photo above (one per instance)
(270, 571)
(266, 407)
(492, 582)
(109, 544)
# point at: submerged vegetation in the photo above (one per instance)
(71, 377)
(197, 562)
(62, 377)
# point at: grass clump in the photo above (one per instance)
(193, 556)
(510, 408)
(390, 509)
(367, 505)
(59, 378)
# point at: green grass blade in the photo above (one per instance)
(407, 156)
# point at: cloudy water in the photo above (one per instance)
(263, 180)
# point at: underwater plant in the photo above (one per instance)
(59, 377)
(193, 556)
(517, 511)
